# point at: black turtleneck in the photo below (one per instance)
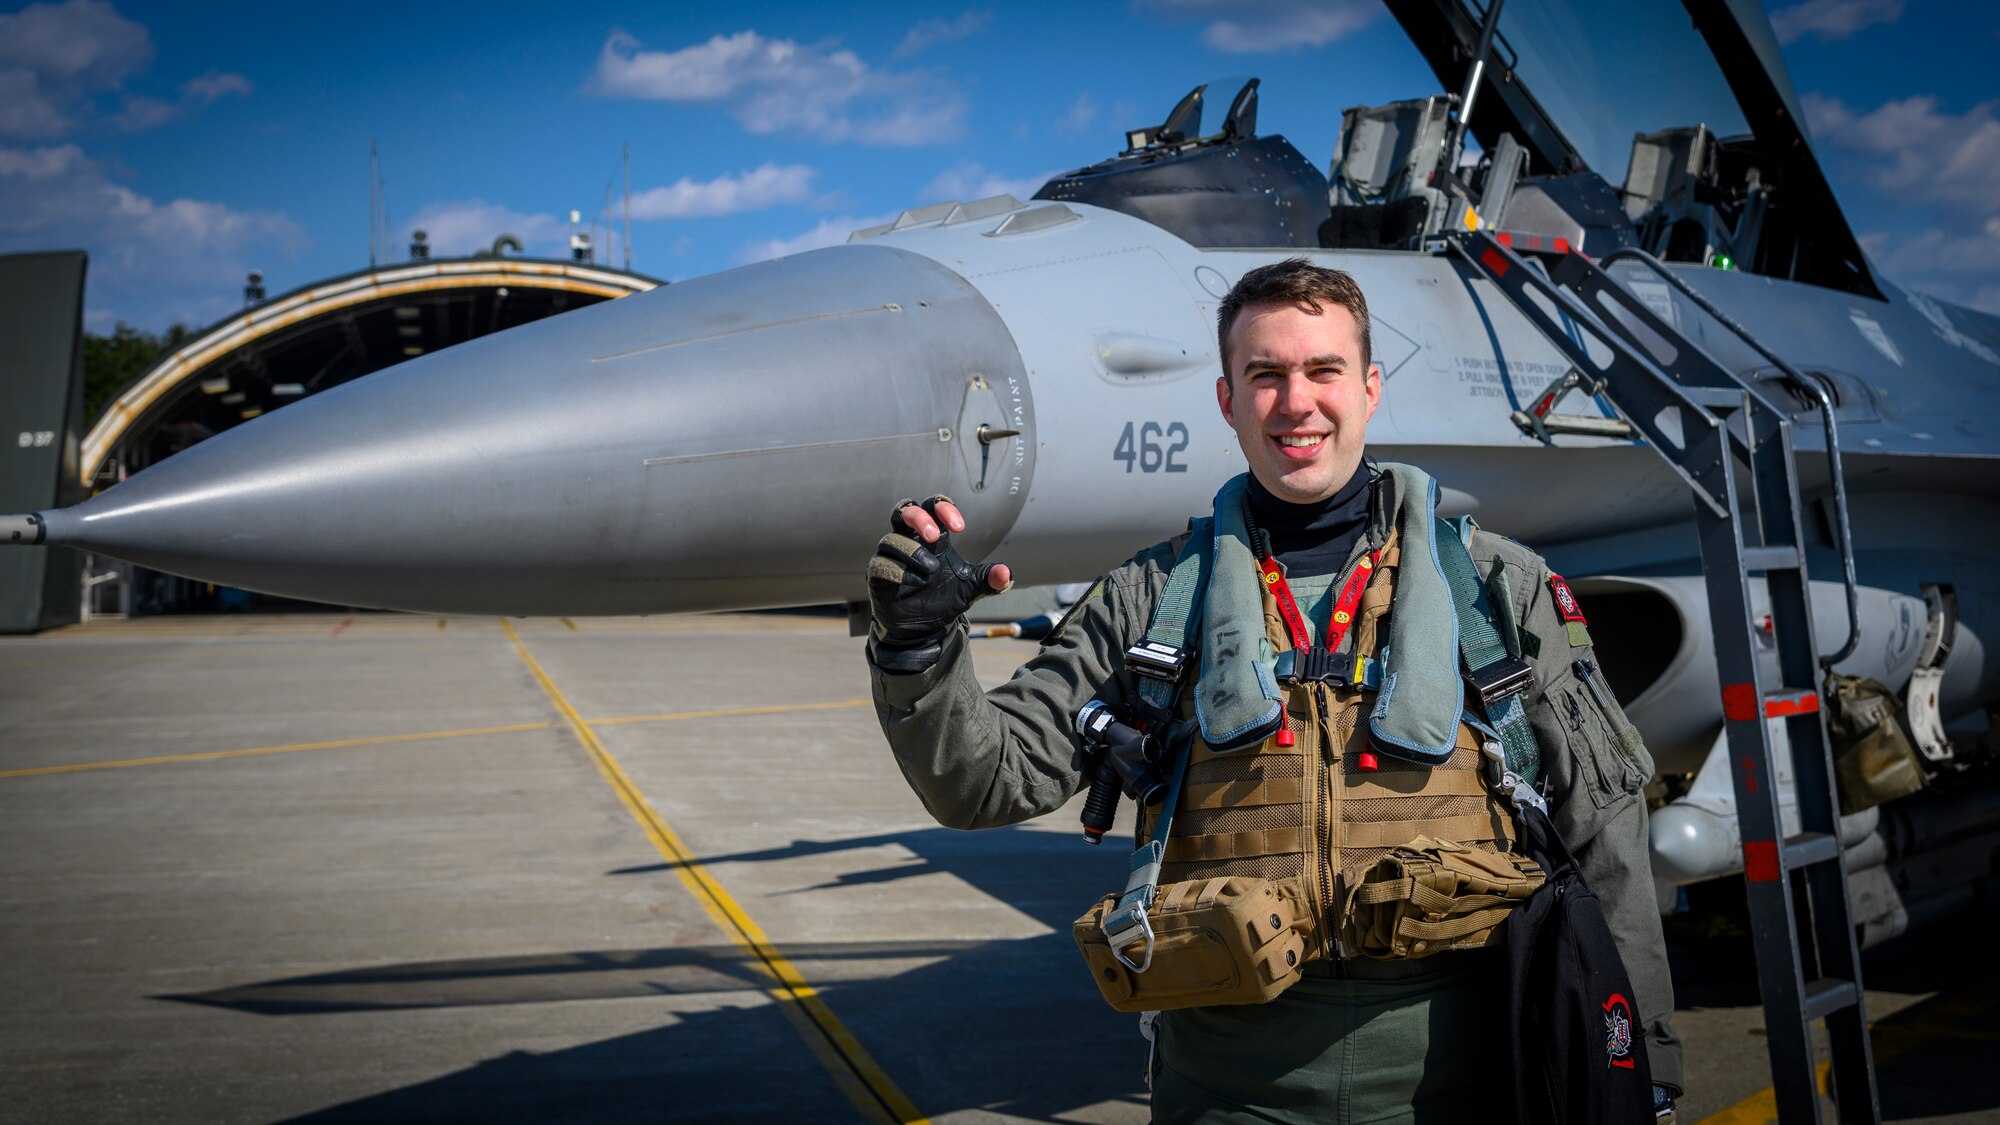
(1313, 539)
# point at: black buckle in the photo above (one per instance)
(1157, 661)
(1298, 667)
(1500, 679)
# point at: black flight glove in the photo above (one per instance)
(918, 591)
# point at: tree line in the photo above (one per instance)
(111, 361)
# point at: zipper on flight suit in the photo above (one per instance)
(1324, 876)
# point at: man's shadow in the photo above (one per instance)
(1011, 1026)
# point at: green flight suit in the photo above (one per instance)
(981, 759)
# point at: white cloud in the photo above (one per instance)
(180, 259)
(461, 227)
(1915, 155)
(777, 85)
(214, 85)
(1919, 154)
(929, 33)
(53, 57)
(1080, 114)
(768, 185)
(1956, 265)
(1832, 19)
(968, 179)
(1247, 27)
(196, 94)
(830, 232)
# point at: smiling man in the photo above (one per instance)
(1317, 760)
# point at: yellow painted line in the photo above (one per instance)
(568, 624)
(1761, 1108)
(851, 1067)
(440, 624)
(1886, 1041)
(217, 755)
(57, 663)
(673, 716)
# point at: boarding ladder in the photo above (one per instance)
(1733, 448)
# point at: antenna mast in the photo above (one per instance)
(628, 206)
(374, 216)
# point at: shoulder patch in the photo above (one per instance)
(1565, 600)
(1568, 609)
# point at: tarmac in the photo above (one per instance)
(386, 867)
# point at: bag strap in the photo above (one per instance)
(1172, 629)
(1498, 677)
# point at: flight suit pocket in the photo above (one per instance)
(1610, 757)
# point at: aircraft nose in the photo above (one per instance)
(733, 441)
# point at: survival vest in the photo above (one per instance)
(1299, 805)
(1305, 821)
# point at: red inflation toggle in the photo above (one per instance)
(1285, 736)
(1366, 762)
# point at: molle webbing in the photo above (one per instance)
(1240, 814)
(1383, 809)
(1252, 811)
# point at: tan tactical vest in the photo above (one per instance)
(1305, 811)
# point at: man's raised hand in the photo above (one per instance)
(919, 585)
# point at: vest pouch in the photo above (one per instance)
(1227, 940)
(1430, 896)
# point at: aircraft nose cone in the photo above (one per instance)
(732, 441)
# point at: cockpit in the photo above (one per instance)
(1565, 124)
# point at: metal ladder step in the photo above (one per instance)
(1740, 702)
(1770, 558)
(1828, 995)
(1808, 848)
(1717, 398)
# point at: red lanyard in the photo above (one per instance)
(1343, 609)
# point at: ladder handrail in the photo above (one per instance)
(1812, 385)
(1567, 304)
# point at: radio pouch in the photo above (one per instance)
(1430, 896)
(1227, 940)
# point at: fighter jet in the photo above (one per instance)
(736, 440)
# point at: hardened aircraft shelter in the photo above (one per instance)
(325, 334)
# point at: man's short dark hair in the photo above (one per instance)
(1297, 282)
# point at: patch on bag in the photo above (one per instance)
(1570, 611)
(1618, 1030)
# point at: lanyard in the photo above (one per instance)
(1343, 607)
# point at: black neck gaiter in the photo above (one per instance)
(1313, 539)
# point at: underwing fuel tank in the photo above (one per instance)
(618, 459)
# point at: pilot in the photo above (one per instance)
(1356, 1038)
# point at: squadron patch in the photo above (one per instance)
(1570, 611)
(1618, 1032)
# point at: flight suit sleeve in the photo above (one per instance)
(980, 759)
(1597, 766)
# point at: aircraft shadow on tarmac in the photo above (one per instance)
(1934, 1058)
(1010, 1025)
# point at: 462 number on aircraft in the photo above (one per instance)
(1148, 452)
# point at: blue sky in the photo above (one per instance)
(183, 145)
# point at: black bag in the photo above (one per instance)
(1579, 1052)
